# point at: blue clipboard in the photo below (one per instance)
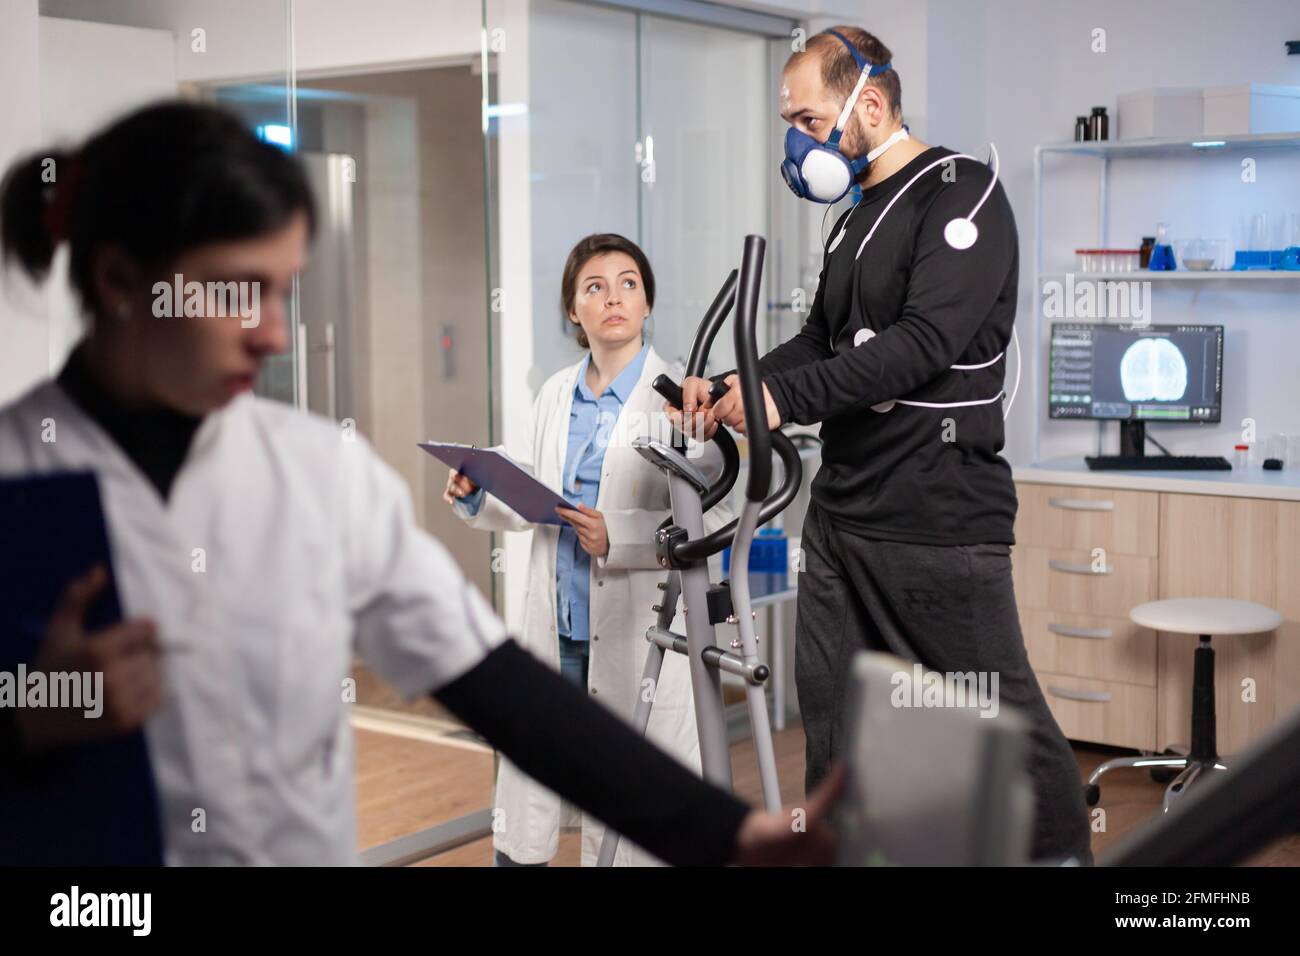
(85, 804)
(496, 474)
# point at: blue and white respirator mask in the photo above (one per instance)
(819, 171)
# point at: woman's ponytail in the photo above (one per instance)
(164, 179)
(35, 200)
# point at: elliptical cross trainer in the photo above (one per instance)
(683, 548)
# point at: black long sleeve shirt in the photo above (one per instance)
(554, 733)
(889, 325)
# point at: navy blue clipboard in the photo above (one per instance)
(87, 804)
(499, 476)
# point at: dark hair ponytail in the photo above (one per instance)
(26, 196)
(158, 182)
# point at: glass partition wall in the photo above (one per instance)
(382, 103)
(660, 126)
(393, 343)
(609, 119)
(655, 120)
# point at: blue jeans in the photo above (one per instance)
(574, 658)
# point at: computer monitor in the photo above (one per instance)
(1151, 373)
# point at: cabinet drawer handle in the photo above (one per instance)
(1088, 696)
(1082, 504)
(1069, 567)
(1092, 633)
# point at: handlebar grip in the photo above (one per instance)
(751, 384)
(697, 549)
(669, 389)
(713, 319)
(718, 389)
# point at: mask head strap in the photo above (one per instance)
(866, 72)
(858, 58)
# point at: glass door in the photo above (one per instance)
(704, 105)
(653, 120)
(394, 345)
(602, 118)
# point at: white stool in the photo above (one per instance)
(1204, 617)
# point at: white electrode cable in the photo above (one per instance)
(826, 215)
(1020, 361)
(974, 401)
(971, 368)
(960, 234)
(835, 245)
(996, 163)
(899, 195)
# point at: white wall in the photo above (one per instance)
(91, 73)
(22, 322)
(248, 39)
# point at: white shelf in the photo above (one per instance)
(1104, 151)
(1183, 146)
(1181, 275)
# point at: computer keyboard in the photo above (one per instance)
(1158, 463)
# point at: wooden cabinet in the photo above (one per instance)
(1243, 548)
(1089, 645)
(1096, 582)
(1085, 556)
(1105, 711)
(1059, 516)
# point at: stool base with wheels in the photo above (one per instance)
(1203, 617)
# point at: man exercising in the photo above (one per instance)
(902, 359)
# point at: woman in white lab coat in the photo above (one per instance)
(592, 584)
(256, 549)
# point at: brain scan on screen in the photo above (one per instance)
(1153, 369)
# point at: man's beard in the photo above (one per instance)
(855, 144)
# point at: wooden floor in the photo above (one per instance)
(405, 785)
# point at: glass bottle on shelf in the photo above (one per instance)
(1144, 253)
(1162, 254)
(1291, 254)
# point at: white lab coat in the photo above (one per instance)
(624, 587)
(283, 549)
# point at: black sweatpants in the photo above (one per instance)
(950, 608)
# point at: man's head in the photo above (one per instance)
(819, 80)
